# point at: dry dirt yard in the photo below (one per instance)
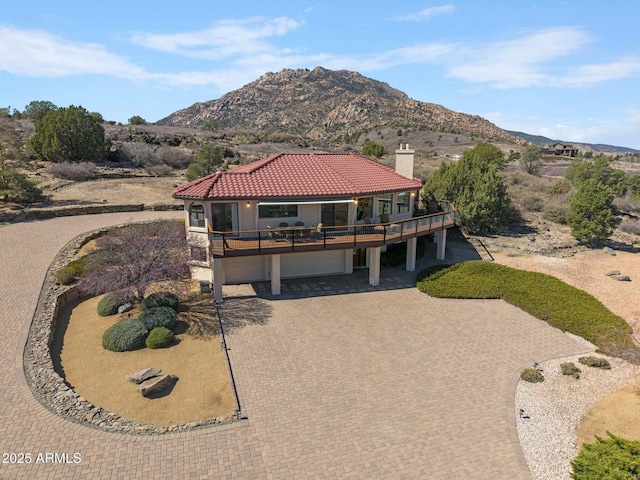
(146, 190)
(203, 389)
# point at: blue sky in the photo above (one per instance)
(568, 70)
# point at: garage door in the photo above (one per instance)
(244, 269)
(312, 263)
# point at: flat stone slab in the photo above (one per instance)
(144, 374)
(156, 384)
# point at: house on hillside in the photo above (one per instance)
(560, 149)
(304, 214)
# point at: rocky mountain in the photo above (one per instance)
(322, 104)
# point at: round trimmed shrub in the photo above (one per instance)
(109, 304)
(532, 375)
(160, 299)
(125, 335)
(158, 317)
(160, 337)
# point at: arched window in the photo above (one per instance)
(196, 216)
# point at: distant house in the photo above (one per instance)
(303, 214)
(560, 149)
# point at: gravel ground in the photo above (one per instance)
(552, 411)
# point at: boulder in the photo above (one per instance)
(125, 308)
(613, 272)
(156, 384)
(144, 374)
(609, 251)
(621, 278)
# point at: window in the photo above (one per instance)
(224, 217)
(332, 214)
(196, 216)
(277, 211)
(385, 204)
(402, 202)
(365, 208)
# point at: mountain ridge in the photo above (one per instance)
(323, 104)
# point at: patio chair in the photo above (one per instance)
(275, 235)
(300, 232)
(317, 234)
(283, 224)
(384, 218)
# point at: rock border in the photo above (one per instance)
(49, 388)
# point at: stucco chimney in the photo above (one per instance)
(404, 160)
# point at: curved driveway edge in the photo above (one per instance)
(383, 384)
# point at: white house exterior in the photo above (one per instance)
(305, 214)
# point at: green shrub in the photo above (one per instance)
(160, 299)
(158, 317)
(67, 275)
(608, 459)
(531, 375)
(595, 362)
(125, 335)
(160, 337)
(569, 368)
(109, 304)
(543, 296)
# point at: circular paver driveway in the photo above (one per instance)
(380, 384)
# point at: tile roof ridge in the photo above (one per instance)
(257, 165)
(212, 177)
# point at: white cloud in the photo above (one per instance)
(521, 62)
(590, 75)
(226, 39)
(427, 13)
(38, 53)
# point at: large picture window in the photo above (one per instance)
(334, 214)
(224, 217)
(277, 211)
(385, 204)
(365, 208)
(402, 202)
(196, 216)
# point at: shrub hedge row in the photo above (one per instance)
(543, 296)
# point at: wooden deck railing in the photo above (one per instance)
(305, 239)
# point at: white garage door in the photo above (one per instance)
(244, 269)
(307, 264)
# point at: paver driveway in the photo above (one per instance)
(378, 384)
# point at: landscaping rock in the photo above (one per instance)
(613, 272)
(621, 278)
(609, 251)
(156, 384)
(144, 374)
(125, 308)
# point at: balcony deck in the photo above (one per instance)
(306, 239)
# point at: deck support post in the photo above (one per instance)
(411, 254)
(218, 279)
(440, 238)
(374, 266)
(275, 274)
(348, 261)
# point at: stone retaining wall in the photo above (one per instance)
(50, 212)
(48, 386)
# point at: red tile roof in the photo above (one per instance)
(300, 175)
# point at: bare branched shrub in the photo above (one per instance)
(630, 226)
(174, 157)
(140, 154)
(532, 203)
(73, 170)
(160, 170)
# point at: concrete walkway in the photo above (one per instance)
(376, 384)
